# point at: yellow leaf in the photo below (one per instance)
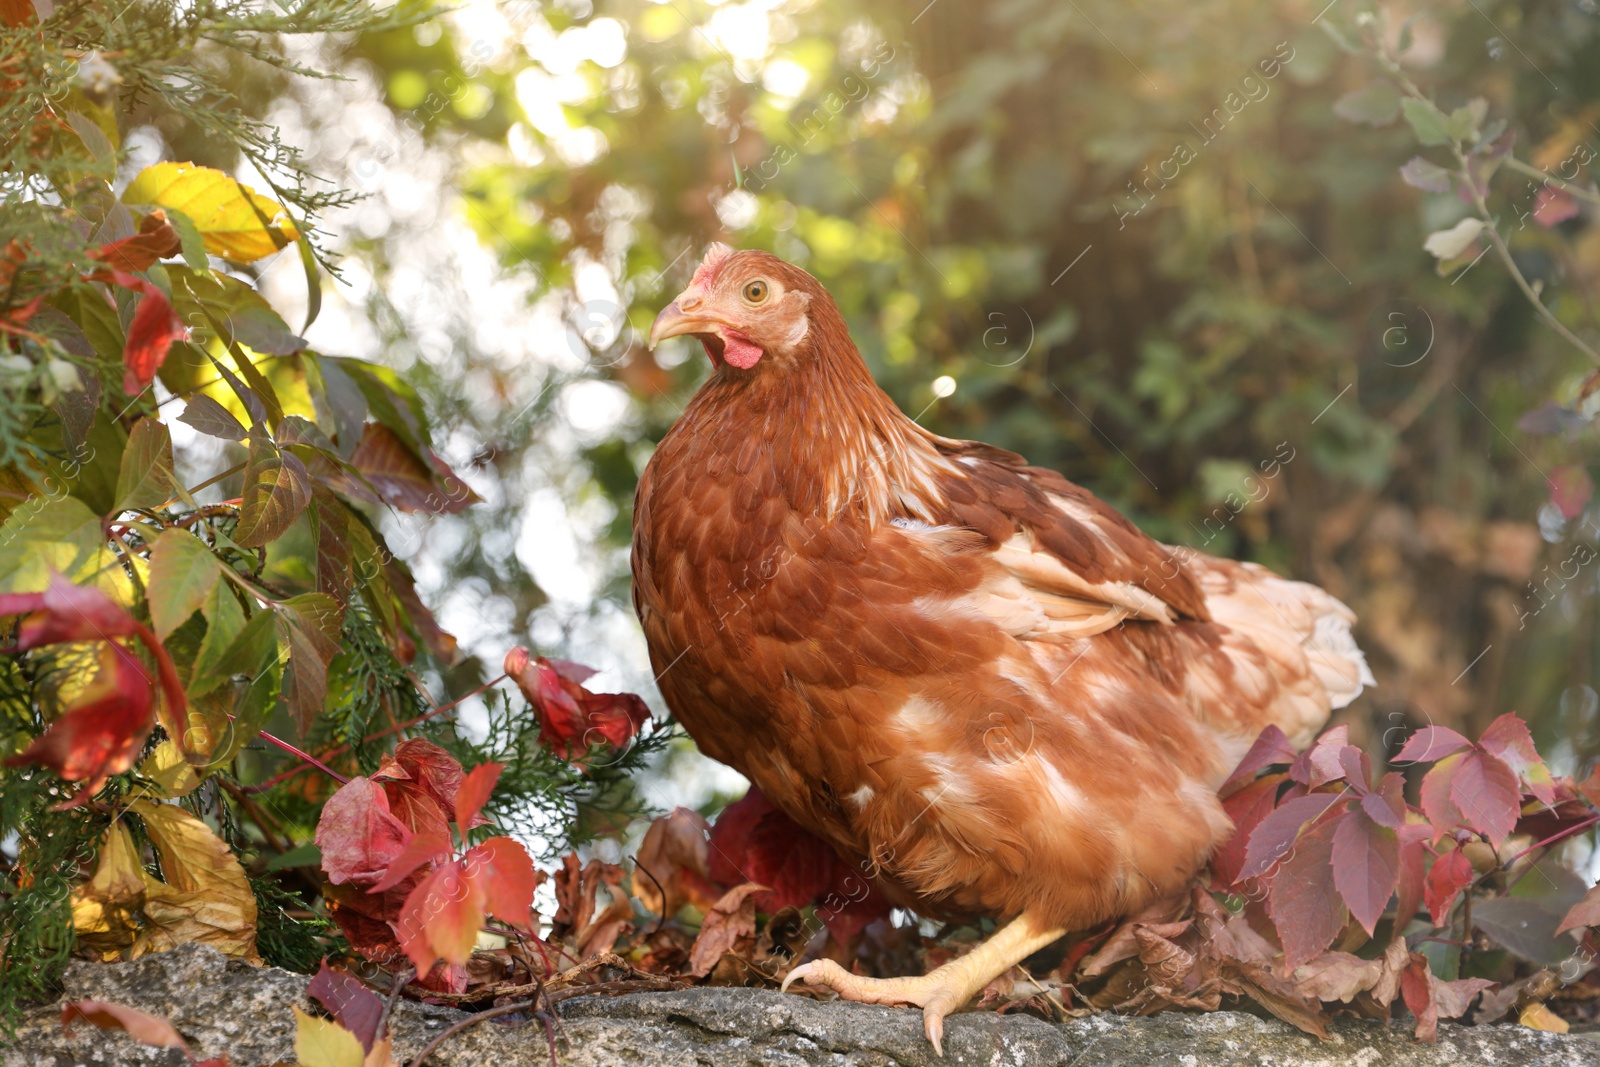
(168, 769)
(1538, 1017)
(323, 1043)
(227, 213)
(205, 897)
(103, 907)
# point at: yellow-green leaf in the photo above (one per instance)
(182, 573)
(168, 768)
(62, 535)
(145, 479)
(324, 1043)
(277, 488)
(309, 624)
(235, 221)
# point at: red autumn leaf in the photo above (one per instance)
(1585, 912)
(441, 918)
(1570, 489)
(1554, 206)
(503, 872)
(1319, 764)
(572, 719)
(151, 333)
(1413, 872)
(1431, 999)
(1383, 811)
(1270, 747)
(474, 793)
(1302, 900)
(1366, 866)
(145, 1029)
(1246, 808)
(66, 612)
(401, 478)
(1485, 791)
(421, 781)
(1449, 875)
(1508, 740)
(358, 836)
(1276, 833)
(418, 852)
(103, 731)
(1436, 803)
(365, 920)
(354, 1006)
(1431, 743)
(156, 240)
(753, 841)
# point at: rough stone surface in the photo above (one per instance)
(225, 1006)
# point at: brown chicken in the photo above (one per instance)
(968, 675)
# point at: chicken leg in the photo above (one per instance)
(945, 989)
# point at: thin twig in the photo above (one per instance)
(1534, 172)
(398, 982)
(662, 918)
(471, 1020)
(342, 749)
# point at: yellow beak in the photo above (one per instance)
(675, 322)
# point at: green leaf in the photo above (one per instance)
(305, 855)
(277, 488)
(1377, 104)
(182, 574)
(1429, 177)
(146, 478)
(61, 535)
(1427, 121)
(224, 620)
(310, 625)
(253, 648)
(237, 312)
(189, 239)
(1464, 121)
(211, 418)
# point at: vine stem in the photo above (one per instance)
(308, 757)
(1501, 248)
(1504, 251)
(342, 749)
(1534, 172)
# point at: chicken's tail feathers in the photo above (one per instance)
(1336, 659)
(1295, 658)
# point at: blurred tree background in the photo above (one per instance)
(1166, 249)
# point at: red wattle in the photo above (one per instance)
(739, 352)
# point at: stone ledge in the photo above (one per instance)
(223, 1005)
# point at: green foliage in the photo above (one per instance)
(188, 627)
(288, 933)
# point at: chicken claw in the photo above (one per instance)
(937, 994)
(945, 989)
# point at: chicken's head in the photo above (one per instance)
(742, 306)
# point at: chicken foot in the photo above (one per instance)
(945, 989)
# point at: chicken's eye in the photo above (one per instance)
(755, 292)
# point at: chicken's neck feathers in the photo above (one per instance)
(841, 445)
